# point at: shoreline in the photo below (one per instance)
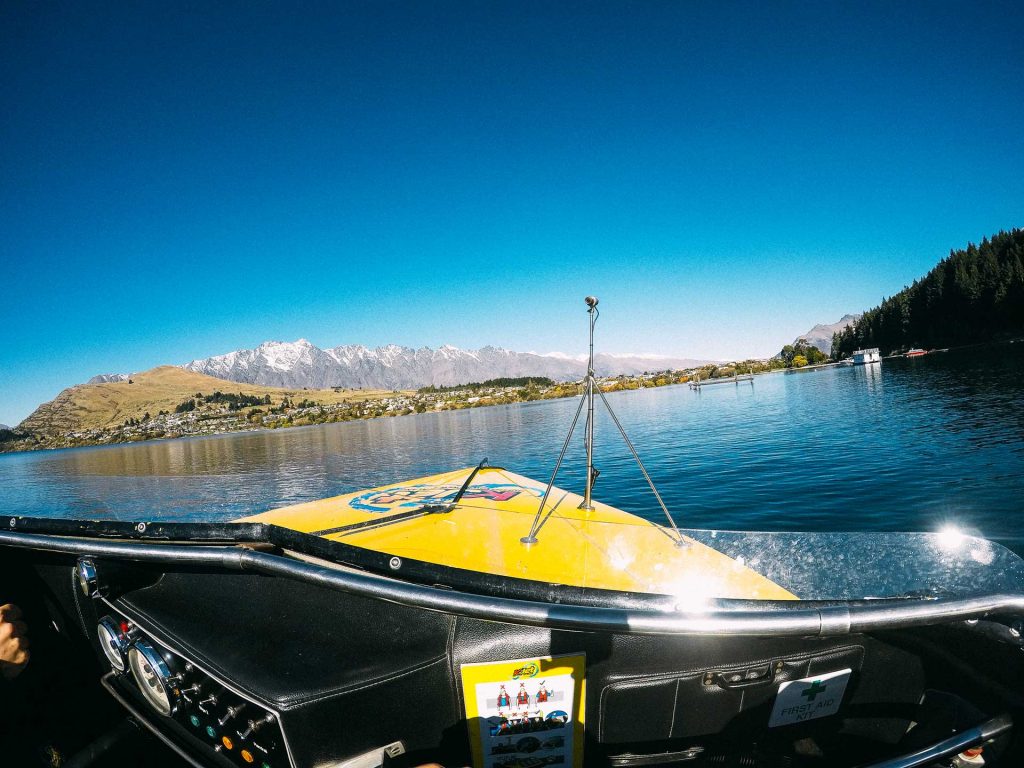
(316, 414)
(400, 403)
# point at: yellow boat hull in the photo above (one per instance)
(602, 548)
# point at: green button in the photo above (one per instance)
(210, 732)
(265, 765)
(194, 720)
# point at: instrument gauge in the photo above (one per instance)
(153, 676)
(114, 642)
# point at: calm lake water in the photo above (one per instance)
(908, 445)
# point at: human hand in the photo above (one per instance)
(14, 652)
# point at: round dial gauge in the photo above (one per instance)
(113, 642)
(152, 675)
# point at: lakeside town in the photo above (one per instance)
(221, 412)
(218, 413)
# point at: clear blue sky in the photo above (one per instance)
(184, 179)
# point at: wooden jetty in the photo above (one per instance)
(735, 379)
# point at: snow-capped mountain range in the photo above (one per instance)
(107, 378)
(300, 364)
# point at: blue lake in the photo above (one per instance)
(907, 445)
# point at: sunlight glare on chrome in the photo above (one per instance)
(693, 594)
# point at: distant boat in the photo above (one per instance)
(915, 352)
(866, 356)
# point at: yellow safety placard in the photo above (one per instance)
(526, 713)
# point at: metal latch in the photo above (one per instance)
(374, 758)
(743, 678)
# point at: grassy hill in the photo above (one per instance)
(100, 406)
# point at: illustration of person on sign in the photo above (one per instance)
(504, 700)
(543, 693)
(522, 698)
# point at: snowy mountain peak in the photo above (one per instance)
(108, 378)
(300, 364)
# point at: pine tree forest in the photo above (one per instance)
(974, 295)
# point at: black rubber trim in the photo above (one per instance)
(381, 563)
(726, 617)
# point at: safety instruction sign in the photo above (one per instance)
(809, 699)
(526, 713)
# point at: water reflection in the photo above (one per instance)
(907, 445)
(872, 375)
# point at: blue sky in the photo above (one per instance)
(183, 179)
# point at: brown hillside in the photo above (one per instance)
(91, 406)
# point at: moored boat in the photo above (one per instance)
(867, 356)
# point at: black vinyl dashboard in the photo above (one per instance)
(237, 668)
(270, 673)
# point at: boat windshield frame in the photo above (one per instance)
(280, 551)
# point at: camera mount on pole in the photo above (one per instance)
(590, 388)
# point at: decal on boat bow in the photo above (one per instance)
(407, 496)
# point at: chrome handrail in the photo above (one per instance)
(965, 739)
(764, 618)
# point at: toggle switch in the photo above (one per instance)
(231, 713)
(255, 725)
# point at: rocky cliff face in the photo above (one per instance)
(820, 336)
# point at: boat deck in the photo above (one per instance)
(601, 548)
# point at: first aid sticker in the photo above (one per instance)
(809, 699)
